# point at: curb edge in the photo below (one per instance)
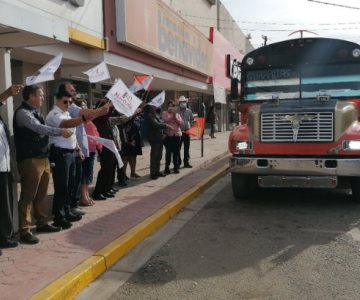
(73, 282)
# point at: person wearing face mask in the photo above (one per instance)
(173, 136)
(188, 120)
(156, 126)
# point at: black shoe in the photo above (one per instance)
(110, 192)
(29, 238)
(167, 170)
(48, 228)
(187, 166)
(8, 243)
(109, 195)
(161, 175)
(63, 223)
(176, 171)
(114, 190)
(77, 211)
(98, 197)
(123, 183)
(72, 218)
(153, 177)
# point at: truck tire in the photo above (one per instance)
(243, 185)
(355, 188)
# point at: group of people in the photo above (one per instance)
(62, 145)
(168, 128)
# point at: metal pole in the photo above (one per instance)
(202, 137)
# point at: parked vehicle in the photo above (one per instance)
(299, 105)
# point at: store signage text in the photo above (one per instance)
(233, 67)
(181, 43)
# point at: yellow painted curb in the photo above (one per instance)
(73, 282)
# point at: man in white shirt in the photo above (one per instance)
(6, 199)
(62, 155)
(75, 111)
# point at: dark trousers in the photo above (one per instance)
(75, 192)
(121, 176)
(172, 146)
(63, 174)
(6, 205)
(155, 157)
(185, 139)
(106, 176)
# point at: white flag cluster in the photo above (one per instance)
(123, 100)
(98, 73)
(110, 145)
(46, 73)
(158, 100)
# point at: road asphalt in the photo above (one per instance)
(64, 263)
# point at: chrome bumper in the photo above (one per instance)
(295, 166)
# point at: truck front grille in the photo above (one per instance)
(297, 127)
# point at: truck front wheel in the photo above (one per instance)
(355, 187)
(243, 185)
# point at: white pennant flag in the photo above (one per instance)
(46, 73)
(123, 100)
(137, 85)
(110, 145)
(98, 73)
(158, 100)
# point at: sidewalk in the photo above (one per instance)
(92, 244)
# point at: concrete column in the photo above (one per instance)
(7, 113)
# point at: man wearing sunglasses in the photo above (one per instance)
(62, 155)
(76, 111)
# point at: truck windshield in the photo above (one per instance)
(337, 81)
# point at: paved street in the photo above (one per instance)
(58, 253)
(279, 244)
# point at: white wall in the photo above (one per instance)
(202, 15)
(52, 17)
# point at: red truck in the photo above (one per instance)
(299, 104)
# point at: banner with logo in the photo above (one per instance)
(124, 101)
(158, 100)
(98, 73)
(46, 73)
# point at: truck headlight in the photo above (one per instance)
(351, 145)
(242, 146)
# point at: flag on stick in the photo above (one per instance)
(124, 101)
(110, 145)
(158, 100)
(197, 129)
(98, 73)
(141, 82)
(46, 73)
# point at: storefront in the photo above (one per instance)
(225, 67)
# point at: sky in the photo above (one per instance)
(276, 19)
